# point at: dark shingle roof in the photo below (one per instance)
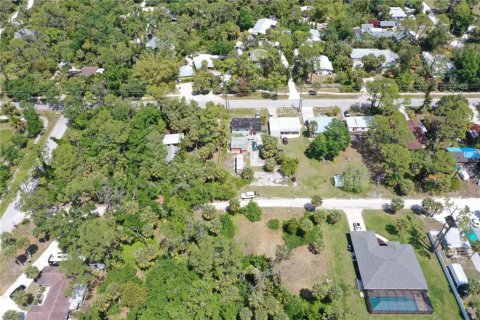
(254, 124)
(390, 266)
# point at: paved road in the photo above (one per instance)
(346, 204)
(13, 215)
(5, 302)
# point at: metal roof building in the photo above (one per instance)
(357, 55)
(322, 123)
(262, 26)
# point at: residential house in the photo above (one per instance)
(172, 141)
(375, 31)
(358, 124)
(262, 26)
(439, 64)
(88, 71)
(152, 42)
(246, 126)
(25, 34)
(357, 55)
(465, 155)
(55, 305)
(185, 71)
(315, 34)
(200, 59)
(285, 127)
(390, 276)
(239, 163)
(239, 144)
(322, 65)
(397, 13)
(322, 123)
(420, 133)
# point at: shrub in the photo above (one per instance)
(247, 173)
(228, 227)
(289, 166)
(356, 178)
(252, 211)
(234, 206)
(270, 164)
(317, 200)
(209, 212)
(334, 217)
(273, 224)
(319, 217)
(397, 204)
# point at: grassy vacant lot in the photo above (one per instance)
(9, 269)
(302, 270)
(5, 133)
(314, 177)
(29, 159)
(442, 298)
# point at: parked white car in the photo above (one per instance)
(463, 174)
(475, 222)
(248, 195)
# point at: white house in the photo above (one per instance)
(285, 127)
(199, 59)
(262, 26)
(439, 63)
(322, 65)
(315, 34)
(456, 241)
(172, 139)
(358, 124)
(322, 123)
(397, 13)
(357, 55)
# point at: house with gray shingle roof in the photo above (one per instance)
(390, 276)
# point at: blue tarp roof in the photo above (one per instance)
(468, 153)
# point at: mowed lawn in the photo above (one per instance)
(442, 298)
(5, 133)
(315, 177)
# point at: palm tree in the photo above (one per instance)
(17, 123)
(312, 128)
(475, 248)
(9, 110)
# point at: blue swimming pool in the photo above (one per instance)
(471, 235)
(389, 304)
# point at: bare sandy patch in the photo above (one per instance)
(303, 269)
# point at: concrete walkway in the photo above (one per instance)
(355, 216)
(5, 302)
(292, 91)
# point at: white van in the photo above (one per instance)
(463, 174)
(248, 195)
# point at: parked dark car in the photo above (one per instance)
(346, 113)
(285, 140)
(312, 92)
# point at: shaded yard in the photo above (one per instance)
(315, 177)
(302, 270)
(9, 269)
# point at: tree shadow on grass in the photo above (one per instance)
(391, 229)
(418, 241)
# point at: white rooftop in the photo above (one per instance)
(315, 34)
(198, 60)
(172, 138)
(358, 122)
(262, 26)
(397, 13)
(323, 63)
(289, 124)
(454, 240)
(390, 56)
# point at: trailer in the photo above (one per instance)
(459, 278)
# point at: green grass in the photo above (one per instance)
(5, 135)
(28, 161)
(442, 298)
(314, 177)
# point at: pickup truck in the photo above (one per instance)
(248, 195)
